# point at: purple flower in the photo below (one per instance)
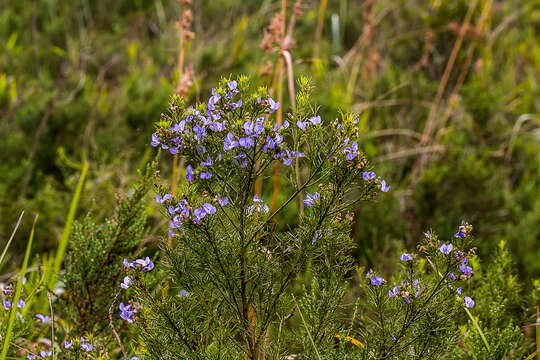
(30, 356)
(458, 290)
(209, 208)
(417, 287)
(316, 236)
(405, 257)
(6, 304)
(221, 201)
(180, 127)
(199, 213)
(217, 126)
(376, 280)
(163, 199)
(445, 249)
(229, 142)
(452, 276)
(86, 346)
(394, 292)
(235, 105)
(464, 261)
(67, 344)
(468, 302)
(315, 120)
(259, 127)
(146, 264)
(246, 142)
(428, 235)
(45, 353)
(125, 284)
(368, 175)
(208, 162)
(174, 150)
(200, 132)
(205, 175)
(189, 174)
(183, 293)
(370, 273)
(384, 187)
(302, 124)
(128, 264)
(232, 85)
(460, 234)
(465, 269)
(352, 152)
(311, 199)
(42, 318)
(21, 303)
(259, 205)
(274, 105)
(126, 312)
(155, 140)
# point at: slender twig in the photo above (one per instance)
(52, 324)
(23, 349)
(319, 30)
(11, 237)
(307, 330)
(410, 152)
(112, 325)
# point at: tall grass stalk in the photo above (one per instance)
(319, 30)
(279, 114)
(11, 238)
(538, 330)
(432, 117)
(68, 226)
(18, 290)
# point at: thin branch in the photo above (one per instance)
(112, 326)
(52, 324)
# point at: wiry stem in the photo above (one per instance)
(52, 324)
(112, 326)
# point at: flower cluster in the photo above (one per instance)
(9, 293)
(214, 124)
(456, 262)
(375, 280)
(405, 289)
(84, 344)
(145, 264)
(258, 206)
(127, 312)
(371, 176)
(182, 212)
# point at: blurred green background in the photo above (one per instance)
(447, 94)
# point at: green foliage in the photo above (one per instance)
(500, 312)
(94, 259)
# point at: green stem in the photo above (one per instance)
(478, 328)
(67, 228)
(18, 291)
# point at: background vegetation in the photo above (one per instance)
(447, 94)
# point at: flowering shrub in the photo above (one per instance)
(233, 276)
(235, 285)
(415, 314)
